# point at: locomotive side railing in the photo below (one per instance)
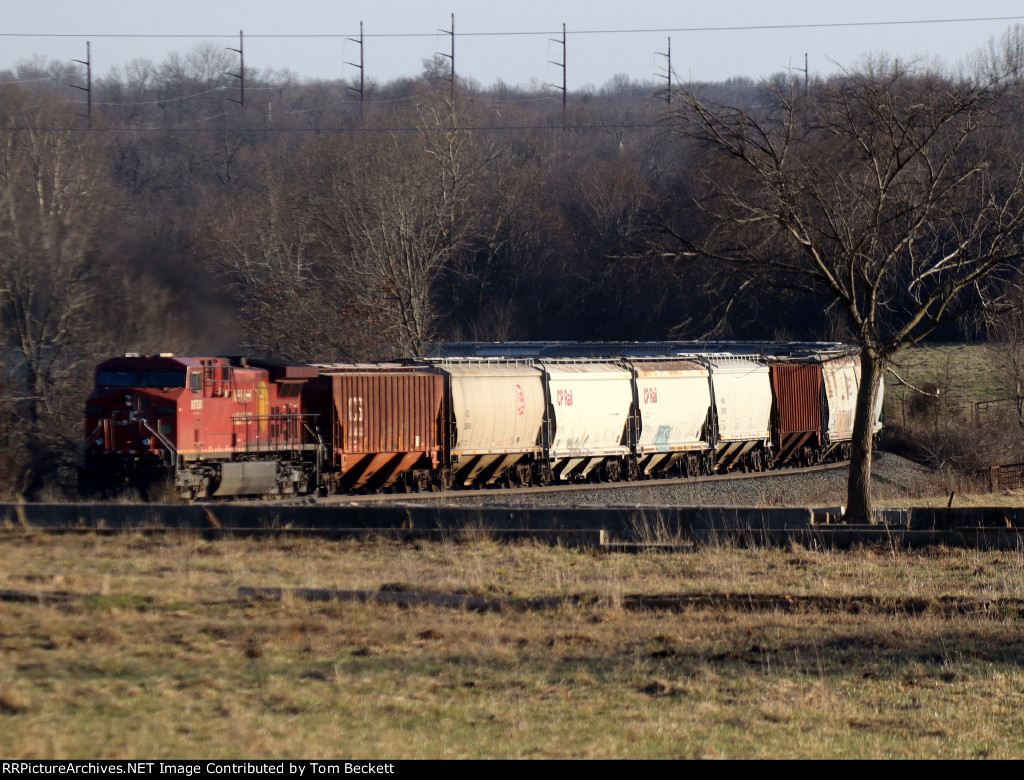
(276, 431)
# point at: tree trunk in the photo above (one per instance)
(858, 499)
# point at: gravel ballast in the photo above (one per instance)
(893, 478)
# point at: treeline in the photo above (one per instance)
(311, 225)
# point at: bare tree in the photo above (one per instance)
(54, 205)
(400, 209)
(879, 193)
(296, 301)
(1002, 61)
(1004, 323)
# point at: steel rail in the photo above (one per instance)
(495, 492)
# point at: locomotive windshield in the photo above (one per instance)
(162, 379)
(152, 378)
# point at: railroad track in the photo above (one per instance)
(567, 488)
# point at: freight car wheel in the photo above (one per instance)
(441, 480)
(707, 465)
(611, 470)
(542, 474)
(632, 469)
(525, 476)
(689, 466)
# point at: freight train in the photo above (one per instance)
(471, 415)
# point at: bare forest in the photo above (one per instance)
(307, 224)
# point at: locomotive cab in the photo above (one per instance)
(213, 426)
(131, 419)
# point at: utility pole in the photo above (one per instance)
(88, 82)
(806, 73)
(667, 54)
(362, 71)
(561, 64)
(241, 70)
(451, 57)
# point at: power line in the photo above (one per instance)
(564, 32)
(379, 101)
(508, 33)
(352, 130)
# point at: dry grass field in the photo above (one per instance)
(965, 373)
(132, 646)
(971, 424)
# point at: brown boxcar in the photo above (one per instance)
(381, 423)
(797, 412)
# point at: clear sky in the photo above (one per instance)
(511, 40)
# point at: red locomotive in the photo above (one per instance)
(218, 426)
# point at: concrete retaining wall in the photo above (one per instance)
(638, 526)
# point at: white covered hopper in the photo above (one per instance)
(841, 377)
(673, 398)
(496, 408)
(743, 399)
(590, 404)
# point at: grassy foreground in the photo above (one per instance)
(747, 653)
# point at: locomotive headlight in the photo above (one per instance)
(145, 442)
(99, 442)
